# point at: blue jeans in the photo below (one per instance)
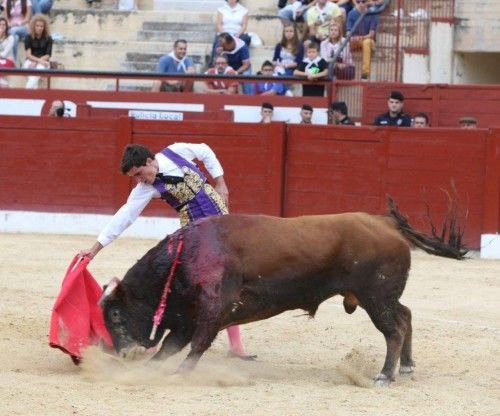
(19, 33)
(42, 6)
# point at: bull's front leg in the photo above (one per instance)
(175, 341)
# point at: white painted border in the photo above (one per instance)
(82, 224)
(490, 246)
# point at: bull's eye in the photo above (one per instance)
(115, 315)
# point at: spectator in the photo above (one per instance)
(319, 18)
(295, 11)
(221, 87)
(176, 62)
(232, 18)
(58, 109)
(345, 4)
(344, 68)
(395, 115)
(363, 38)
(18, 13)
(6, 53)
(238, 56)
(421, 120)
(42, 6)
(467, 122)
(38, 46)
(266, 112)
(306, 113)
(340, 113)
(266, 87)
(313, 68)
(289, 52)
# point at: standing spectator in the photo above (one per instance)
(289, 52)
(395, 115)
(42, 6)
(232, 18)
(221, 87)
(238, 56)
(306, 113)
(176, 62)
(467, 122)
(6, 53)
(340, 113)
(363, 38)
(266, 112)
(295, 11)
(313, 68)
(344, 68)
(18, 13)
(266, 87)
(319, 18)
(38, 45)
(421, 120)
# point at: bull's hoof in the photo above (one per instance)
(136, 352)
(405, 370)
(241, 357)
(381, 380)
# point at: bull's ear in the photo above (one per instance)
(112, 288)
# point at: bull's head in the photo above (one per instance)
(126, 319)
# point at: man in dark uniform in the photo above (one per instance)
(395, 116)
(339, 112)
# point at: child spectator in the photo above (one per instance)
(18, 13)
(6, 53)
(266, 87)
(221, 87)
(289, 52)
(344, 68)
(313, 68)
(38, 45)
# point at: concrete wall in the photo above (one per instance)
(441, 52)
(416, 68)
(476, 68)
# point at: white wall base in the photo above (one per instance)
(490, 246)
(83, 224)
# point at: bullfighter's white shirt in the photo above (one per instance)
(142, 193)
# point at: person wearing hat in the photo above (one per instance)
(306, 113)
(339, 112)
(467, 122)
(395, 116)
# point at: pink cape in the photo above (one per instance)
(77, 320)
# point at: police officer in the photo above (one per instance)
(395, 115)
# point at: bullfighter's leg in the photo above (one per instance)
(407, 363)
(384, 316)
(235, 344)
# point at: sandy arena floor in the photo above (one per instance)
(304, 367)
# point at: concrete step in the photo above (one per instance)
(172, 36)
(178, 26)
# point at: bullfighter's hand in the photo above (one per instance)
(91, 252)
(221, 188)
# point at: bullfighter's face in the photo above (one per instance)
(146, 173)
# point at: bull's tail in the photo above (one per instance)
(432, 245)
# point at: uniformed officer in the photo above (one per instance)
(395, 115)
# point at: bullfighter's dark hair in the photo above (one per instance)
(135, 155)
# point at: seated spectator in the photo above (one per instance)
(289, 52)
(467, 122)
(306, 113)
(319, 18)
(395, 116)
(125, 5)
(232, 18)
(176, 62)
(313, 68)
(421, 120)
(18, 13)
(363, 37)
(42, 6)
(266, 112)
(296, 10)
(6, 52)
(340, 114)
(347, 5)
(221, 87)
(266, 87)
(238, 56)
(344, 67)
(38, 46)
(58, 109)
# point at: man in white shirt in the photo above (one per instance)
(172, 176)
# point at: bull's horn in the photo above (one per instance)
(113, 283)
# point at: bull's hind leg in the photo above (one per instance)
(407, 363)
(385, 315)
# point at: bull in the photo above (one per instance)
(236, 269)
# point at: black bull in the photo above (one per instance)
(241, 268)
